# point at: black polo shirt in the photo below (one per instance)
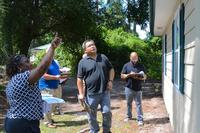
(130, 82)
(95, 73)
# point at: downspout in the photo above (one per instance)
(152, 15)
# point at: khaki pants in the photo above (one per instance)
(55, 93)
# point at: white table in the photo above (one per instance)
(48, 100)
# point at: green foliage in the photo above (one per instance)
(3, 52)
(121, 44)
(117, 45)
(73, 20)
(38, 57)
(64, 58)
(154, 57)
(122, 13)
(113, 15)
(138, 11)
(3, 55)
(2, 88)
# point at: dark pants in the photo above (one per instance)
(22, 126)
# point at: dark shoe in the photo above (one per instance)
(127, 119)
(52, 121)
(107, 132)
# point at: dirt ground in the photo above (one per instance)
(156, 119)
(155, 116)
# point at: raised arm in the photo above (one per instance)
(37, 73)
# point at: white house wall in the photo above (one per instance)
(195, 115)
(184, 109)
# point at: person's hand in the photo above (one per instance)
(110, 85)
(131, 75)
(81, 97)
(56, 41)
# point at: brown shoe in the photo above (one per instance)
(51, 125)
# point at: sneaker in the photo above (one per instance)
(127, 119)
(140, 123)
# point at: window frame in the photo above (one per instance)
(178, 52)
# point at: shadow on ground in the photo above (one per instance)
(71, 123)
(163, 120)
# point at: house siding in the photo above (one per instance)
(184, 108)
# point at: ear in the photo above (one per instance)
(85, 51)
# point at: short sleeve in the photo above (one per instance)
(80, 73)
(23, 77)
(108, 63)
(124, 70)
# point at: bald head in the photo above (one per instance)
(134, 57)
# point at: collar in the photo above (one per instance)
(133, 64)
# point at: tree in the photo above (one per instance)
(124, 13)
(25, 21)
(3, 52)
(20, 25)
(112, 14)
(138, 12)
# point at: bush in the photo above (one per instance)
(61, 55)
(121, 44)
(117, 46)
(2, 88)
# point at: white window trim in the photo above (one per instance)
(177, 50)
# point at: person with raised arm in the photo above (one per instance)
(23, 94)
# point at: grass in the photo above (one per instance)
(67, 123)
(74, 122)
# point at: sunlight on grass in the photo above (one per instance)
(66, 123)
(69, 123)
(72, 122)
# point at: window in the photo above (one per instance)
(178, 49)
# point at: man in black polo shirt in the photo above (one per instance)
(97, 72)
(133, 73)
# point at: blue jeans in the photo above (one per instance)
(104, 100)
(137, 96)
